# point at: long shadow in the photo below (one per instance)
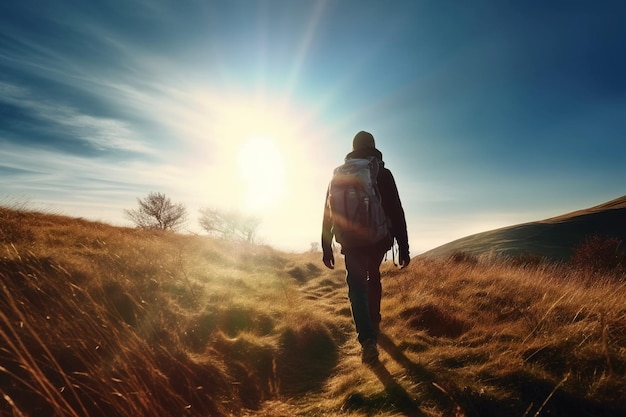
(396, 393)
(533, 392)
(415, 370)
(418, 373)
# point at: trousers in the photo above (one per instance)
(364, 290)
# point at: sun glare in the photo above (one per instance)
(254, 144)
(258, 155)
(261, 166)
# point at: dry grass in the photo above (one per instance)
(97, 320)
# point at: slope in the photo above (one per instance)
(553, 238)
(97, 320)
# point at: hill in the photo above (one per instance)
(98, 320)
(553, 238)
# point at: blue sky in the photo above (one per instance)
(489, 113)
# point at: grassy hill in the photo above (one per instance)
(553, 238)
(98, 320)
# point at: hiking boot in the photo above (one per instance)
(369, 353)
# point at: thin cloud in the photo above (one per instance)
(103, 189)
(54, 168)
(100, 133)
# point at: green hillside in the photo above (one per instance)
(554, 239)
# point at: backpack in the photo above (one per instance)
(356, 210)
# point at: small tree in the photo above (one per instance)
(229, 224)
(157, 211)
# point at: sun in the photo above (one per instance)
(254, 145)
(261, 167)
(258, 155)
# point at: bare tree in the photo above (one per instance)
(157, 211)
(229, 224)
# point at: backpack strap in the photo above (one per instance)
(395, 250)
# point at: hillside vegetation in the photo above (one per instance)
(98, 320)
(555, 239)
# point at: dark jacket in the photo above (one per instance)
(390, 201)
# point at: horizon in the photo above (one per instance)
(488, 115)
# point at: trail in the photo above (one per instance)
(401, 382)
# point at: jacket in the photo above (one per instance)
(391, 203)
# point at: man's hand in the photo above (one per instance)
(404, 259)
(328, 258)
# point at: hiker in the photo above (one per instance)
(363, 258)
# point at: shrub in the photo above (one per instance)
(600, 254)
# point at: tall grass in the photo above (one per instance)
(98, 320)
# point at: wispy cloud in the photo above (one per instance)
(85, 186)
(64, 121)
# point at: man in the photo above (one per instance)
(363, 262)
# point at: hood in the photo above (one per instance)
(364, 153)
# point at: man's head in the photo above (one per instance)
(363, 140)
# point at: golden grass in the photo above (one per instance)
(99, 320)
